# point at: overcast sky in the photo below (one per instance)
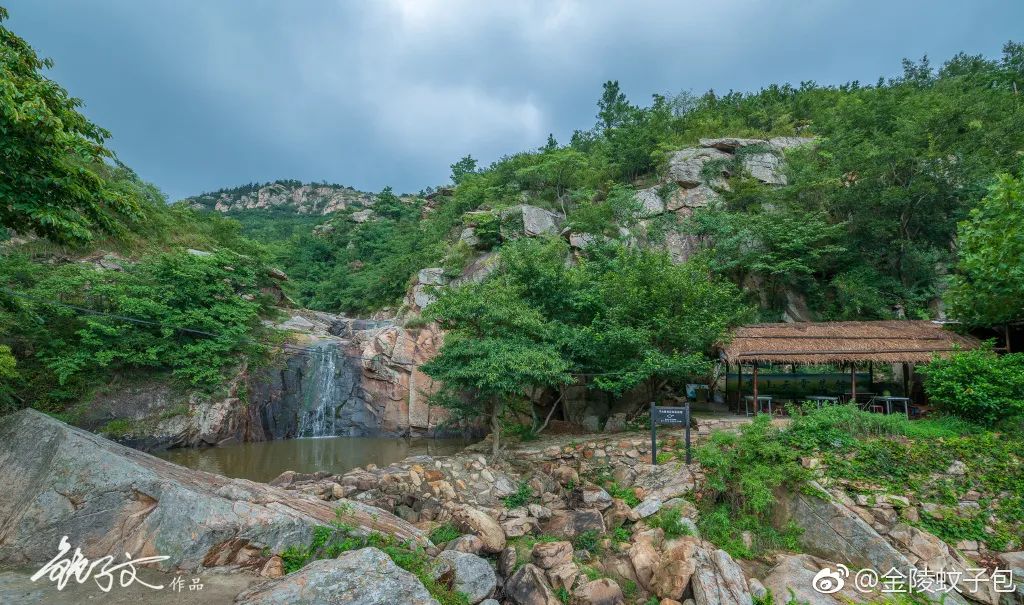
(201, 94)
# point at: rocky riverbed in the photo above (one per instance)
(580, 519)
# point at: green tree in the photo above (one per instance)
(466, 165)
(988, 287)
(54, 182)
(612, 108)
(978, 385)
(497, 346)
(616, 320)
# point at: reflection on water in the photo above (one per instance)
(262, 461)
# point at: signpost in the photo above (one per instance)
(667, 415)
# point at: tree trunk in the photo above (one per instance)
(550, 413)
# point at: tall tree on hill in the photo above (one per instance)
(612, 108)
(54, 180)
(988, 288)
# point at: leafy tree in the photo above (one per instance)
(467, 165)
(616, 320)
(978, 385)
(497, 347)
(784, 248)
(603, 215)
(54, 182)
(191, 316)
(988, 288)
(555, 172)
(612, 108)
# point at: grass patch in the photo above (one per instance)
(589, 541)
(444, 533)
(670, 521)
(522, 496)
(118, 428)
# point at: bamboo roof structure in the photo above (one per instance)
(816, 343)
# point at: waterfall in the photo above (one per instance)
(323, 391)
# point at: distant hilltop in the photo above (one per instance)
(287, 195)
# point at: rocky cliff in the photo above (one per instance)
(287, 195)
(335, 376)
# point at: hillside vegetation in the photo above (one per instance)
(864, 228)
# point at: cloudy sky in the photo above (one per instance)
(201, 94)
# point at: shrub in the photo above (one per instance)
(587, 541)
(670, 520)
(978, 385)
(522, 496)
(444, 533)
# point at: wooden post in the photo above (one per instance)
(853, 382)
(871, 374)
(757, 403)
(654, 437)
(906, 379)
(727, 385)
(739, 386)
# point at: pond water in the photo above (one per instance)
(262, 461)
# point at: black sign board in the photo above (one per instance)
(667, 415)
(663, 415)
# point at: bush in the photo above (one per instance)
(444, 533)
(670, 520)
(588, 541)
(521, 497)
(190, 316)
(978, 385)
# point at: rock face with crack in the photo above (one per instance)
(833, 531)
(109, 500)
(361, 577)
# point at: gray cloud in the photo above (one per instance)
(201, 94)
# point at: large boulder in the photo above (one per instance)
(686, 166)
(650, 201)
(645, 559)
(109, 500)
(547, 555)
(700, 196)
(676, 566)
(529, 221)
(765, 167)
(591, 496)
(792, 579)
(718, 580)
(361, 577)
(528, 586)
(482, 525)
(665, 481)
(473, 576)
(604, 591)
(832, 531)
(571, 523)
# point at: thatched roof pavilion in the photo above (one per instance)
(841, 342)
(846, 343)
